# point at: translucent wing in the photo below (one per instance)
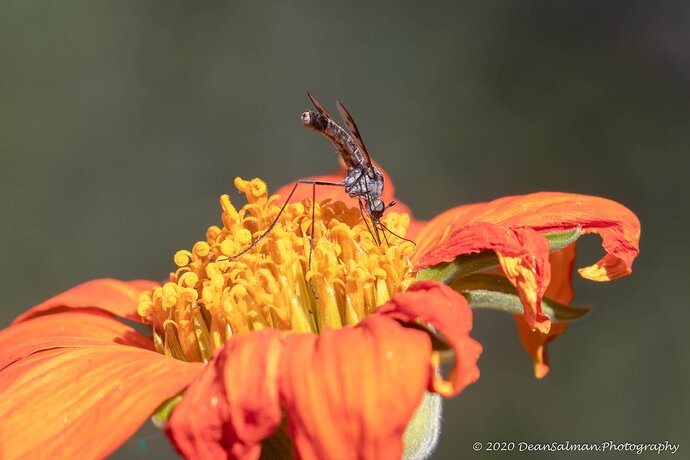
(319, 107)
(352, 127)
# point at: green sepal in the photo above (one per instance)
(162, 413)
(510, 303)
(559, 240)
(422, 432)
(496, 292)
(465, 265)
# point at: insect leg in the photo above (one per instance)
(364, 218)
(275, 221)
(314, 183)
(376, 230)
(383, 232)
(383, 227)
(313, 225)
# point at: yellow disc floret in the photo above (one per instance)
(213, 296)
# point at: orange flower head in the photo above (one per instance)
(288, 314)
(212, 296)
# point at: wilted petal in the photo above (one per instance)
(562, 264)
(535, 342)
(234, 405)
(561, 290)
(522, 252)
(117, 297)
(548, 212)
(83, 402)
(447, 311)
(73, 328)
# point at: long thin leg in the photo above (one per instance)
(313, 225)
(383, 227)
(364, 218)
(275, 221)
(376, 230)
(383, 232)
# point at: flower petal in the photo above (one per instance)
(448, 312)
(234, 405)
(350, 393)
(83, 402)
(535, 342)
(561, 290)
(117, 297)
(415, 228)
(73, 328)
(522, 252)
(561, 285)
(547, 212)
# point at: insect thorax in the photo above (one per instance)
(366, 183)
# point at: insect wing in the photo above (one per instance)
(319, 107)
(352, 127)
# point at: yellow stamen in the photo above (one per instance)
(211, 297)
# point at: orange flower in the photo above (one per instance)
(336, 349)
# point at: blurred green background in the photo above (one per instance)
(122, 122)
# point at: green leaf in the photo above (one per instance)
(496, 292)
(468, 264)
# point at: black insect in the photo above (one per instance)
(363, 180)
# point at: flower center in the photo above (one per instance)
(211, 297)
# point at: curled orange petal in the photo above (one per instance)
(234, 405)
(448, 312)
(561, 290)
(562, 264)
(83, 402)
(114, 296)
(522, 252)
(548, 212)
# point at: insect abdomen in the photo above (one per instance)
(335, 134)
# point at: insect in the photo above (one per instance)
(363, 180)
